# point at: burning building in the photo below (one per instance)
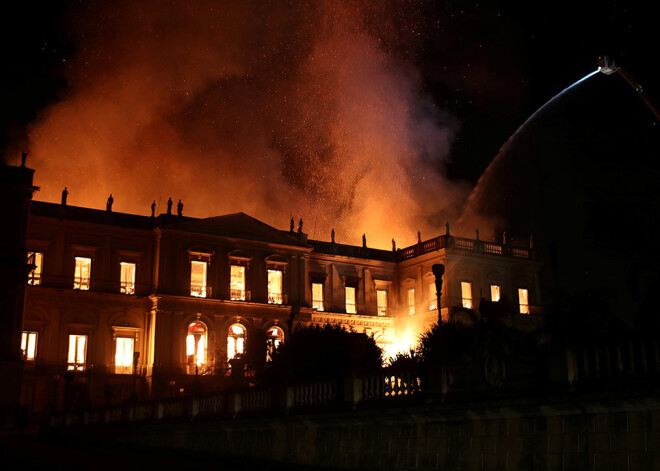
(120, 304)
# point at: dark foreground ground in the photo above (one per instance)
(34, 450)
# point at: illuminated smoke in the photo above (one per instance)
(276, 110)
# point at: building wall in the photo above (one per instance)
(158, 314)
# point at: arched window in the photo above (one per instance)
(196, 342)
(274, 339)
(235, 341)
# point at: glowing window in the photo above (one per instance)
(235, 341)
(196, 342)
(124, 348)
(237, 283)
(77, 352)
(381, 302)
(317, 296)
(274, 286)
(82, 273)
(36, 259)
(495, 293)
(127, 278)
(523, 299)
(198, 279)
(351, 307)
(466, 294)
(433, 297)
(275, 338)
(29, 345)
(411, 301)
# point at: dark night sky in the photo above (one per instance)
(490, 64)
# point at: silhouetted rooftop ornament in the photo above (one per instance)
(364, 241)
(393, 245)
(169, 206)
(477, 233)
(108, 205)
(332, 235)
(419, 237)
(65, 194)
(153, 209)
(291, 225)
(23, 158)
(300, 223)
(179, 208)
(447, 233)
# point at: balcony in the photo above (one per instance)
(200, 291)
(239, 295)
(277, 298)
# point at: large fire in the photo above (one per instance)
(262, 107)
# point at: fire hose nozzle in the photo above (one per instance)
(606, 65)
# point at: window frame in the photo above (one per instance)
(83, 284)
(203, 291)
(524, 308)
(77, 366)
(322, 300)
(467, 303)
(25, 339)
(499, 292)
(38, 270)
(353, 306)
(122, 288)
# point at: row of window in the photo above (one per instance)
(350, 293)
(82, 273)
(495, 295)
(196, 348)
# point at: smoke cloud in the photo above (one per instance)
(314, 111)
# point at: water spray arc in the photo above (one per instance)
(607, 66)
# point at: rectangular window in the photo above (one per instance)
(237, 283)
(317, 296)
(29, 345)
(198, 279)
(495, 292)
(82, 273)
(381, 301)
(411, 301)
(77, 352)
(351, 307)
(36, 259)
(274, 287)
(124, 348)
(433, 298)
(466, 294)
(127, 278)
(523, 299)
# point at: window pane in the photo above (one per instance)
(82, 273)
(235, 341)
(237, 283)
(433, 298)
(495, 292)
(198, 279)
(381, 301)
(124, 347)
(274, 286)
(466, 293)
(411, 301)
(29, 345)
(351, 308)
(37, 259)
(196, 343)
(77, 352)
(523, 299)
(127, 280)
(317, 296)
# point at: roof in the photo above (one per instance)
(240, 226)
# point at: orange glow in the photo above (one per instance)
(301, 110)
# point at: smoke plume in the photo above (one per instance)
(312, 110)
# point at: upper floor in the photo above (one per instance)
(238, 259)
